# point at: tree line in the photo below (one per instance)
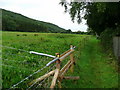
(12, 21)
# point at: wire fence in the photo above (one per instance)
(14, 48)
(35, 84)
(43, 80)
(26, 78)
(14, 67)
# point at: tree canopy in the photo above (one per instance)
(99, 15)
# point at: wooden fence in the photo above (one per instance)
(0, 19)
(59, 73)
(116, 47)
(0, 63)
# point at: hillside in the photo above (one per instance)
(12, 21)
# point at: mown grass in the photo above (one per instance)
(93, 66)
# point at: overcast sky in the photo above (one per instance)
(43, 10)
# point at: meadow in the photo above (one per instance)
(95, 68)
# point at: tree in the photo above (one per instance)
(90, 31)
(99, 16)
(68, 31)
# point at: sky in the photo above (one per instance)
(43, 10)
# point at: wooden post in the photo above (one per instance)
(56, 72)
(72, 60)
(59, 74)
(66, 55)
(42, 77)
(65, 66)
(59, 83)
(65, 70)
(71, 77)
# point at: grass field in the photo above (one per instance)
(95, 68)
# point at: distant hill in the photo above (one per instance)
(12, 21)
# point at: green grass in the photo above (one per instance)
(93, 66)
(15, 68)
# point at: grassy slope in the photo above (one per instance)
(95, 68)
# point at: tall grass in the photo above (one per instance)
(95, 68)
(17, 65)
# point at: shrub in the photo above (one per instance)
(35, 34)
(24, 34)
(107, 37)
(18, 35)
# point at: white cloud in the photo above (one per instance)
(43, 10)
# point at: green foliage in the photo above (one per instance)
(99, 15)
(68, 31)
(16, 22)
(102, 19)
(107, 37)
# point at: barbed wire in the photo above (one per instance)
(12, 60)
(25, 60)
(43, 80)
(30, 52)
(28, 77)
(7, 65)
(14, 48)
(15, 67)
(14, 55)
(49, 77)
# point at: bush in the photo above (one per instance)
(107, 37)
(35, 34)
(24, 34)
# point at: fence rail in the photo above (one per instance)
(59, 73)
(116, 47)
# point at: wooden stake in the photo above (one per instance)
(71, 77)
(67, 54)
(54, 78)
(72, 60)
(66, 68)
(56, 73)
(63, 69)
(42, 77)
(59, 84)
